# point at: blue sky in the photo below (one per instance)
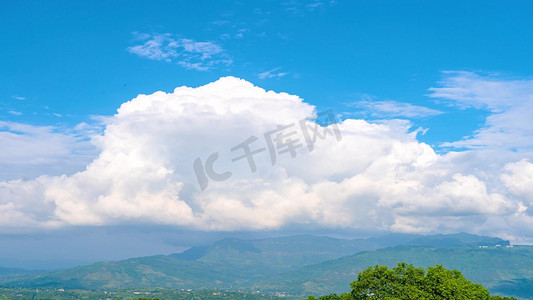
(70, 58)
(434, 99)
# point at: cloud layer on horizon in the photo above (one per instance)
(378, 176)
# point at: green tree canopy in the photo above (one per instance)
(408, 282)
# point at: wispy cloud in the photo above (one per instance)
(509, 101)
(221, 22)
(188, 53)
(300, 7)
(238, 34)
(28, 151)
(156, 48)
(387, 109)
(15, 113)
(272, 74)
(18, 97)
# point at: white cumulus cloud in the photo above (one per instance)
(372, 176)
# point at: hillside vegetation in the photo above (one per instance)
(300, 265)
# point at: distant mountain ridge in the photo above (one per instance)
(295, 265)
(506, 270)
(302, 250)
(458, 239)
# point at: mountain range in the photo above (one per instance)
(297, 266)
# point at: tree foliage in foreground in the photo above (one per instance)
(407, 282)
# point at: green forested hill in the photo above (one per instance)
(500, 269)
(228, 263)
(299, 265)
(284, 253)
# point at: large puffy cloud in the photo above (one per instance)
(374, 176)
(518, 178)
